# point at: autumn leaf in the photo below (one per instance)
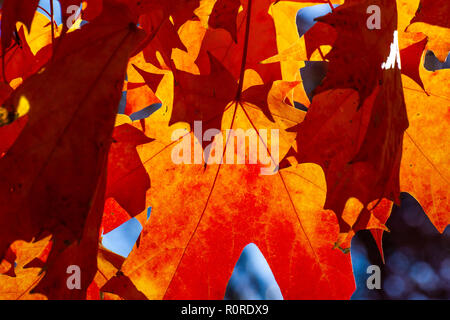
(201, 220)
(221, 136)
(18, 287)
(71, 8)
(121, 158)
(433, 12)
(207, 213)
(424, 167)
(18, 61)
(431, 18)
(260, 42)
(411, 58)
(162, 37)
(122, 284)
(180, 11)
(73, 147)
(360, 146)
(14, 11)
(108, 264)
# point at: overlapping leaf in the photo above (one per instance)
(53, 179)
(226, 65)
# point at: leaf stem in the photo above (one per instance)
(52, 26)
(321, 53)
(45, 11)
(331, 5)
(244, 53)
